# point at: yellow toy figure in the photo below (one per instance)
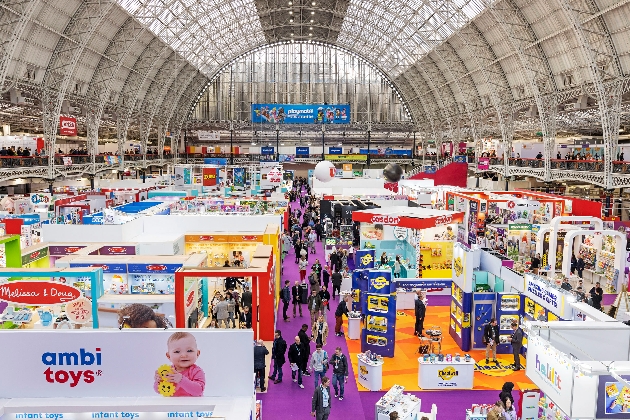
(165, 388)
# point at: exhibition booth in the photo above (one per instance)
(145, 279)
(50, 298)
(98, 374)
(583, 369)
(260, 274)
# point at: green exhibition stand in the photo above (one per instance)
(12, 251)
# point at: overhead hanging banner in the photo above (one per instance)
(67, 126)
(208, 135)
(300, 114)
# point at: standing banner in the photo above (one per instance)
(379, 332)
(91, 363)
(239, 177)
(300, 114)
(67, 126)
(364, 258)
(209, 177)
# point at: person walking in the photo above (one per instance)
(325, 295)
(231, 306)
(319, 331)
(342, 309)
(314, 305)
(221, 312)
(302, 266)
(319, 363)
(339, 363)
(336, 282)
(278, 349)
(260, 351)
(535, 265)
(316, 269)
(297, 247)
(295, 359)
(490, 338)
(320, 404)
(246, 299)
(285, 295)
(305, 342)
(579, 266)
(325, 276)
(312, 237)
(296, 293)
(517, 344)
(397, 267)
(420, 311)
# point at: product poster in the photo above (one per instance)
(91, 363)
(613, 398)
(364, 258)
(379, 281)
(359, 288)
(369, 231)
(519, 241)
(239, 177)
(187, 176)
(179, 176)
(209, 177)
(559, 250)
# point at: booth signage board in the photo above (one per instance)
(552, 373)
(302, 151)
(118, 250)
(153, 268)
(41, 198)
(484, 164)
(208, 135)
(548, 297)
(379, 282)
(64, 250)
(300, 114)
(424, 284)
(347, 158)
(34, 256)
(364, 258)
(215, 161)
(91, 363)
(335, 150)
(107, 268)
(611, 398)
(266, 150)
(208, 410)
(179, 176)
(26, 292)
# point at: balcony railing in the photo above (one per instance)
(619, 167)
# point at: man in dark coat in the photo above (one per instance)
(491, 339)
(305, 342)
(296, 294)
(517, 344)
(597, 295)
(295, 358)
(246, 299)
(278, 350)
(260, 351)
(336, 282)
(321, 400)
(285, 296)
(420, 312)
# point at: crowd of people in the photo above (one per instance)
(312, 291)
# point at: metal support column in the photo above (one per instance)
(369, 160)
(277, 142)
(323, 142)
(231, 143)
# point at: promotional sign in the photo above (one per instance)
(67, 126)
(552, 372)
(612, 398)
(107, 268)
(64, 250)
(67, 160)
(91, 363)
(364, 258)
(215, 161)
(302, 151)
(427, 285)
(459, 159)
(79, 311)
(548, 297)
(347, 158)
(187, 176)
(359, 289)
(335, 150)
(37, 293)
(379, 332)
(267, 150)
(209, 177)
(300, 114)
(484, 164)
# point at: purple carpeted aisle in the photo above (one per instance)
(287, 401)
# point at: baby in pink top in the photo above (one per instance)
(189, 379)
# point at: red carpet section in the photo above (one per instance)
(452, 174)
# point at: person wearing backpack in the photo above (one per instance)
(340, 372)
(319, 363)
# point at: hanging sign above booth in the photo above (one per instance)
(300, 114)
(408, 217)
(302, 151)
(67, 126)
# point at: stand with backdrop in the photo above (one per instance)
(379, 331)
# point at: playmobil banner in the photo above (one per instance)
(90, 363)
(300, 114)
(364, 258)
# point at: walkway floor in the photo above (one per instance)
(287, 401)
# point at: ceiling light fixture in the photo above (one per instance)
(290, 12)
(291, 20)
(312, 13)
